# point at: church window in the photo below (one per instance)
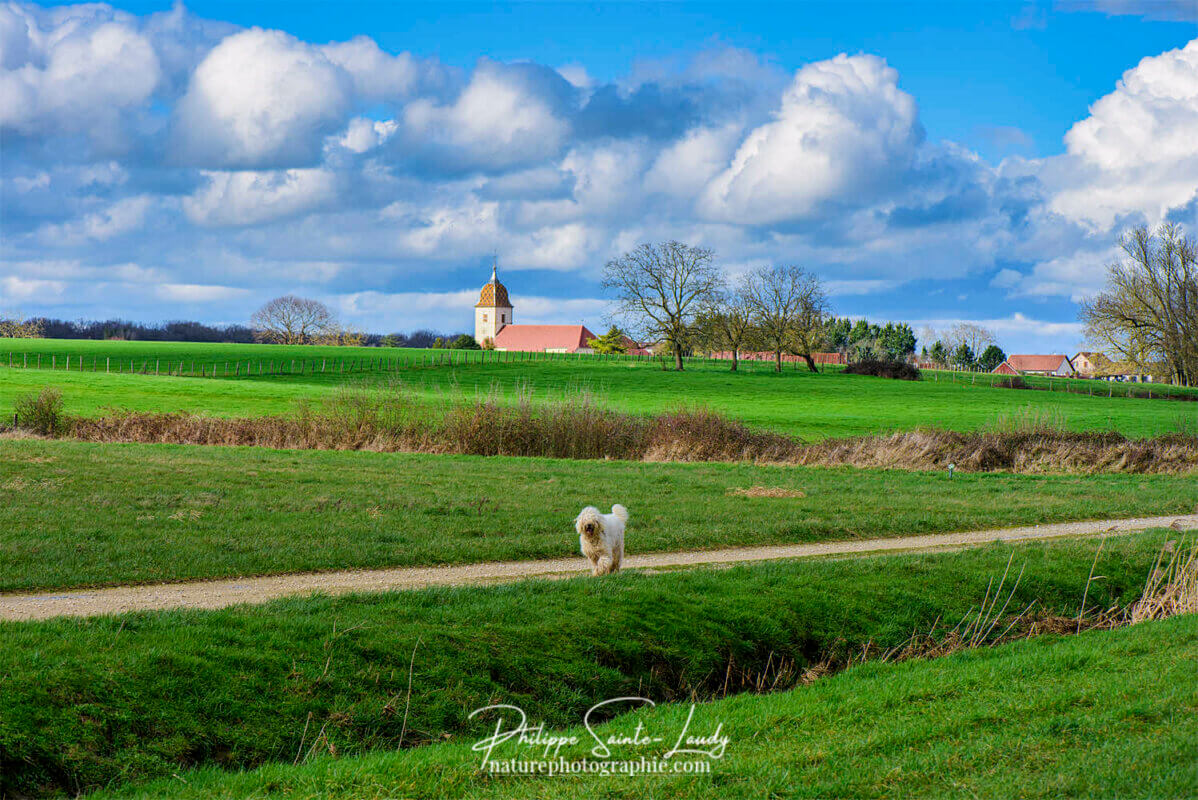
(503, 317)
(484, 317)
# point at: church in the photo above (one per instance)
(494, 326)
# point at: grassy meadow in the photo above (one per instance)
(81, 514)
(1107, 714)
(794, 402)
(311, 694)
(112, 700)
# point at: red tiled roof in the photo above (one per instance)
(634, 348)
(536, 338)
(1025, 363)
(1005, 369)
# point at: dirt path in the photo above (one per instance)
(221, 593)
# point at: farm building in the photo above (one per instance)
(1004, 369)
(1090, 364)
(1058, 365)
(1124, 372)
(494, 318)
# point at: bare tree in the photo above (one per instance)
(1148, 313)
(975, 337)
(16, 326)
(293, 320)
(726, 321)
(790, 311)
(660, 290)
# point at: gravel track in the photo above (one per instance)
(227, 592)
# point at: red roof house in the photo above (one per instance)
(1004, 369)
(544, 338)
(1041, 365)
(634, 348)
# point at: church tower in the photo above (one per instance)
(494, 309)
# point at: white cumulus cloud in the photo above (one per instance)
(252, 197)
(72, 72)
(1137, 152)
(506, 116)
(260, 99)
(844, 131)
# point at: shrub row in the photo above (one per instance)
(898, 370)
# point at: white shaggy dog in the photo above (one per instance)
(601, 537)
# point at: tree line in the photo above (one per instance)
(963, 346)
(274, 331)
(674, 294)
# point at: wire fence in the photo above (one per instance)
(1092, 387)
(332, 365)
(325, 365)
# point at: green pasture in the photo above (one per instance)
(1108, 714)
(107, 701)
(79, 514)
(796, 402)
(97, 355)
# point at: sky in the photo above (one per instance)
(931, 162)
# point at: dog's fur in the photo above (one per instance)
(601, 537)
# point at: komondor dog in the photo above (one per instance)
(602, 537)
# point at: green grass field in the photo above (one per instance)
(110, 700)
(87, 514)
(121, 356)
(192, 357)
(811, 406)
(1108, 714)
(189, 697)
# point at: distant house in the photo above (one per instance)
(1124, 372)
(634, 348)
(1056, 365)
(1004, 369)
(1091, 364)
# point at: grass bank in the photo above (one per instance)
(811, 406)
(1105, 714)
(104, 701)
(579, 428)
(78, 514)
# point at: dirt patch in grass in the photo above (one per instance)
(767, 491)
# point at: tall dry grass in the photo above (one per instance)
(579, 426)
(1034, 451)
(355, 419)
(1171, 588)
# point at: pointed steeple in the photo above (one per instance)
(494, 293)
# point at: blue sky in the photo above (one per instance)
(932, 162)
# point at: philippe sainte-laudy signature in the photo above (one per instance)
(681, 742)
